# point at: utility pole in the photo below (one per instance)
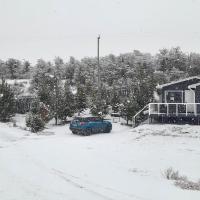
(56, 101)
(99, 77)
(98, 39)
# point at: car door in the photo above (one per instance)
(101, 125)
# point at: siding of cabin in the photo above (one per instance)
(197, 94)
(197, 98)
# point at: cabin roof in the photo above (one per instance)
(179, 81)
(193, 86)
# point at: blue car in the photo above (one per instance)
(90, 125)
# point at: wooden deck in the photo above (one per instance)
(174, 109)
(181, 113)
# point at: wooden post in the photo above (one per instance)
(186, 109)
(149, 113)
(195, 109)
(167, 109)
(176, 109)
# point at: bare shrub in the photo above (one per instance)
(181, 181)
(188, 185)
(170, 174)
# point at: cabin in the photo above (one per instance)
(24, 97)
(176, 102)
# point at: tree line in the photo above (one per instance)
(128, 80)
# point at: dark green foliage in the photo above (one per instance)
(35, 119)
(35, 107)
(66, 104)
(80, 98)
(173, 58)
(144, 85)
(129, 108)
(29, 119)
(7, 102)
(128, 77)
(35, 122)
(115, 100)
(99, 101)
(13, 67)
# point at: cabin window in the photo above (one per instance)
(174, 96)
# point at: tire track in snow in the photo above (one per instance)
(66, 179)
(63, 176)
(60, 174)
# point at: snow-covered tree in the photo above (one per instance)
(37, 117)
(80, 98)
(14, 67)
(66, 105)
(7, 101)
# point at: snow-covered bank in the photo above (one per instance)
(126, 164)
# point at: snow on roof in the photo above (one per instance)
(193, 86)
(179, 81)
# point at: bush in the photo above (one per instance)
(28, 119)
(181, 181)
(170, 174)
(7, 102)
(35, 122)
(188, 185)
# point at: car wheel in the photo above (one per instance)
(107, 129)
(88, 132)
(74, 132)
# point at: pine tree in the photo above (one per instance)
(7, 102)
(115, 101)
(129, 108)
(66, 107)
(80, 99)
(13, 66)
(34, 118)
(58, 67)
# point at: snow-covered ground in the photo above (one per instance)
(127, 164)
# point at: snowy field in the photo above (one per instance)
(126, 164)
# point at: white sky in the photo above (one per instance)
(33, 29)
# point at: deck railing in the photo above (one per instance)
(175, 109)
(140, 116)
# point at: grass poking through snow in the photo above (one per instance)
(181, 181)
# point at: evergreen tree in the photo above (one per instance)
(80, 98)
(129, 108)
(13, 66)
(7, 102)
(34, 118)
(70, 68)
(59, 67)
(66, 107)
(115, 101)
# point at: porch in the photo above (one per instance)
(174, 109)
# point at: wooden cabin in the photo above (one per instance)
(177, 102)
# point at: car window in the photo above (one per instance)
(95, 119)
(80, 119)
(88, 119)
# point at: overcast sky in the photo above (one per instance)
(33, 29)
